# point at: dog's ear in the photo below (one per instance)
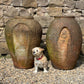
(32, 49)
(41, 49)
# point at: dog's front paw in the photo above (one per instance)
(35, 72)
(45, 71)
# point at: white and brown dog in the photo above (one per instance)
(40, 60)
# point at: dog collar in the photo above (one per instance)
(40, 57)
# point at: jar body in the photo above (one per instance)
(23, 34)
(64, 40)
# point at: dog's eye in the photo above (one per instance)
(37, 50)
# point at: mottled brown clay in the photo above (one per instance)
(64, 41)
(23, 34)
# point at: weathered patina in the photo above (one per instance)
(64, 41)
(23, 34)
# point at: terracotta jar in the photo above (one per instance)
(64, 41)
(23, 34)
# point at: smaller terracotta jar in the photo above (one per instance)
(23, 34)
(64, 41)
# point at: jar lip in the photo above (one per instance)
(64, 16)
(23, 17)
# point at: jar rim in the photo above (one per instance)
(64, 16)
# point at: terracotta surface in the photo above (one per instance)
(23, 34)
(64, 41)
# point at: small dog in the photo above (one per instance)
(40, 60)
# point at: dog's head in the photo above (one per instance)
(37, 51)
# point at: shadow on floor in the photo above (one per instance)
(80, 61)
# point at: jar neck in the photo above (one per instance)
(64, 16)
(23, 17)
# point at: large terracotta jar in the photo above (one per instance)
(64, 41)
(23, 34)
